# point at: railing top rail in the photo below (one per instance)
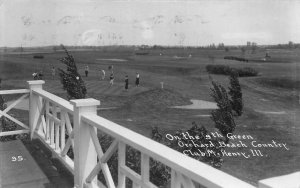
(198, 171)
(55, 99)
(14, 91)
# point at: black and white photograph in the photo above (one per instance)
(149, 93)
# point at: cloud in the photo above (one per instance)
(90, 37)
(147, 22)
(148, 34)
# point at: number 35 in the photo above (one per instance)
(18, 158)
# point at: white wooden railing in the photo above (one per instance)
(51, 118)
(4, 113)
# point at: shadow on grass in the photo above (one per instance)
(285, 83)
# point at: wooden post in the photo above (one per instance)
(85, 156)
(145, 168)
(121, 163)
(33, 102)
(162, 85)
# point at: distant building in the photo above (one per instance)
(142, 47)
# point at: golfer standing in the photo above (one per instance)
(86, 71)
(40, 75)
(53, 72)
(35, 75)
(111, 79)
(111, 68)
(137, 80)
(126, 82)
(103, 74)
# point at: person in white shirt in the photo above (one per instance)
(35, 75)
(103, 74)
(137, 80)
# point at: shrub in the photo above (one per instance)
(218, 69)
(215, 160)
(222, 116)
(247, 71)
(159, 173)
(71, 79)
(226, 70)
(38, 57)
(6, 125)
(235, 93)
(236, 58)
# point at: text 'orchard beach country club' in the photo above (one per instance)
(194, 146)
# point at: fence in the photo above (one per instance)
(4, 113)
(62, 125)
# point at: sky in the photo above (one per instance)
(136, 22)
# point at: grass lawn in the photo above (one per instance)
(271, 99)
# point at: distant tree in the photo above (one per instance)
(212, 46)
(71, 79)
(235, 93)
(291, 44)
(222, 116)
(221, 46)
(253, 47)
(248, 43)
(155, 47)
(226, 49)
(243, 50)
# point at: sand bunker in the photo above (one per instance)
(264, 100)
(271, 112)
(119, 60)
(179, 57)
(203, 115)
(198, 104)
